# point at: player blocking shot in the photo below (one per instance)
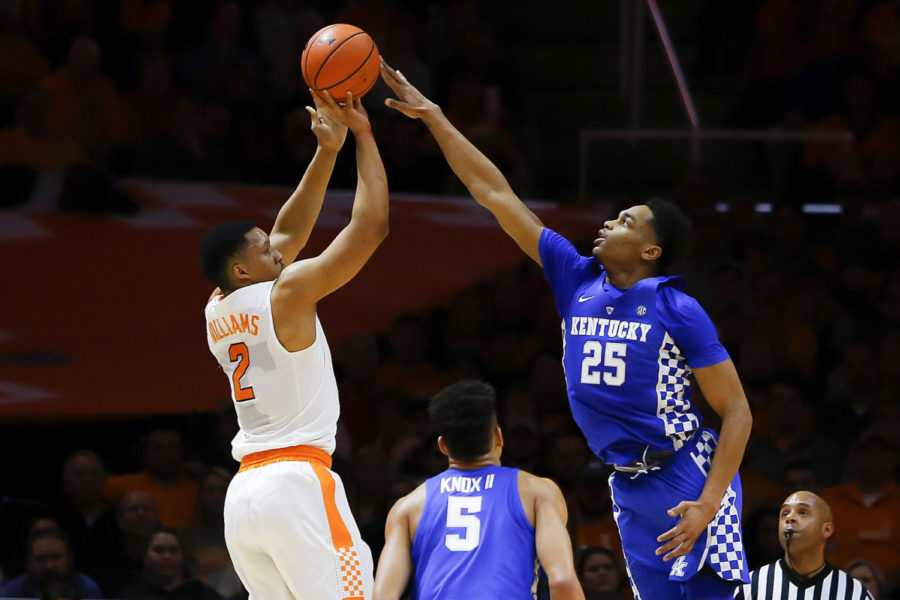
(632, 340)
(477, 530)
(288, 525)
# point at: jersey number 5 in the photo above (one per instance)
(240, 354)
(468, 520)
(612, 358)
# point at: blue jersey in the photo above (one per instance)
(627, 354)
(473, 539)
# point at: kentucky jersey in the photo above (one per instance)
(627, 354)
(281, 398)
(473, 540)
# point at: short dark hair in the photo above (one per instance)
(673, 232)
(48, 533)
(220, 244)
(162, 529)
(465, 414)
(590, 551)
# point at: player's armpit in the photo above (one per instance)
(395, 564)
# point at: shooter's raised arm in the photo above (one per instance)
(298, 215)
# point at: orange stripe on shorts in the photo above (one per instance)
(308, 454)
(351, 570)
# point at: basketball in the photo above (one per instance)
(341, 58)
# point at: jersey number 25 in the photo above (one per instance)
(612, 358)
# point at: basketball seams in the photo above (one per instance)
(330, 54)
(355, 71)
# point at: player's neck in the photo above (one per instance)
(625, 277)
(487, 460)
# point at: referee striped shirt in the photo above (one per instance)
(777, 581)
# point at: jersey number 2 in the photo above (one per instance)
(241, 354)
(612, 358)
(468, 520)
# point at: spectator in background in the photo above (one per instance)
(600, 574)
(566, 458)
(86, 516)
(800, 474)
(870, 576)
(356, 361)
(22, 66)
(31, 150)
(164, 572)
(136, 518)
(49, 563)
(871, 159)
(853, 391)
(163, 477)
(85, 104)
(204, 538)
(407, 367)
(592, 516)
(868, 507)
(879, 35)
(791, 435)
(762, 548)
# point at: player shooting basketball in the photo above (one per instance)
(288, 525)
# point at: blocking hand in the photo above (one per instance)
(409, 101)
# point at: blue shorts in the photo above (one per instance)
(640, 502)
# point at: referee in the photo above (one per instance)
(803, 527)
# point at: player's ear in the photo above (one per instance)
(238, 272)
(498, 437)
(651, 252)
(827, 529)
(443, 446)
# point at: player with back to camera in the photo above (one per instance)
(288, 526)
(476, 530)
(631, 340)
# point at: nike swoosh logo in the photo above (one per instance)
(584, 299)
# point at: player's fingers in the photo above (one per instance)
(388, 70)
(678, 509)
(402, 107)
(669, 534)
(683, 549)
(314, 117)
(670, 546)
(325, 100)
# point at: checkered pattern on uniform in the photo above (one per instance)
(351, 573)
(672, 406)
(724, 547)
(703, 451)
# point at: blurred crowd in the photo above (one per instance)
(210, 90)
(808, 305)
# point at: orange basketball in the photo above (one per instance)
(338, 58)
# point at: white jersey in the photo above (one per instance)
(282, 398)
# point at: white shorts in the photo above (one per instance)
(290, 533)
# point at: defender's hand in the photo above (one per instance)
(329, 132)
(410, 101)
(351, 114)
(695, 517)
